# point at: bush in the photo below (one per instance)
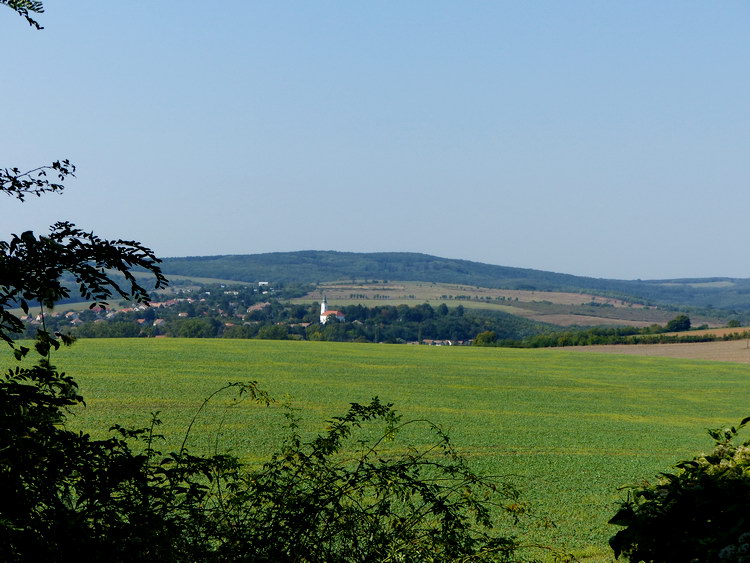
(338, 497)
(698, 513)
(680, 323)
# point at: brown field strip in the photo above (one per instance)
(730, 351)
(451, 293)
(561, 319)
(724, 331)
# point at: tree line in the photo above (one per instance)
(675, 331)
(244, 312)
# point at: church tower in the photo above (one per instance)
(326, 313)
(323, 310)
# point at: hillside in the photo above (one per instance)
(313, 266)
(550, 307)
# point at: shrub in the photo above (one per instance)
(697, 513)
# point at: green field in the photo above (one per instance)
(570, 427)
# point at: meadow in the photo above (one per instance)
(569, 428)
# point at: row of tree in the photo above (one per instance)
(676, 330)
(243, 312)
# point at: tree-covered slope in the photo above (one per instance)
(312, 266)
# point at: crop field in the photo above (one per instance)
(569, 428)
(554, 307)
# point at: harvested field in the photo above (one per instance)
(446, 292)
(730, 351)
(579, 320)
(725, 331)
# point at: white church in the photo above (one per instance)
(326, 313)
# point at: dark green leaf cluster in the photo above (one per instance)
(680, 323)
(31, 270)
(36, 182)
(23, 7)
(340, 499)
(698, 513)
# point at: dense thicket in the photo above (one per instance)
(697, 513)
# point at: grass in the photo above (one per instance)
(570, 427)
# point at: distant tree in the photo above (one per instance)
(196, 328)
(680, 323)
(273, 332)
(240, 331)
(486, 338)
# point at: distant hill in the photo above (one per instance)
(313, 266)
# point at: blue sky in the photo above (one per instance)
(608, 139)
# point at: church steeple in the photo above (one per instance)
(325, 313)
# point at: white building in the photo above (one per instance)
(325, 313)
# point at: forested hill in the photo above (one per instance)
(312, 266)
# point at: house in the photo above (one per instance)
(325, 313)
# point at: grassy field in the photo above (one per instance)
(570, 427)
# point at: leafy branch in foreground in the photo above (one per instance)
(31, 270)
(698, 513)
(35, 182)
(23, 7)
(340, 497)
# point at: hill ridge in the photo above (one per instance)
(318, 266)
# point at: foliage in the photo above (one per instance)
(680, 323)
(61, 491)
(31, 268)
(654, 334)
(18, 184)
(23, 7)
(486, 338)
(698, 513)
(337, 498)
(334, 498)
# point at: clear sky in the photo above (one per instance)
(609, 139)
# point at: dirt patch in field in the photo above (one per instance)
(451, 293)
(562, 319)
(714, 331)
(730, 351)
